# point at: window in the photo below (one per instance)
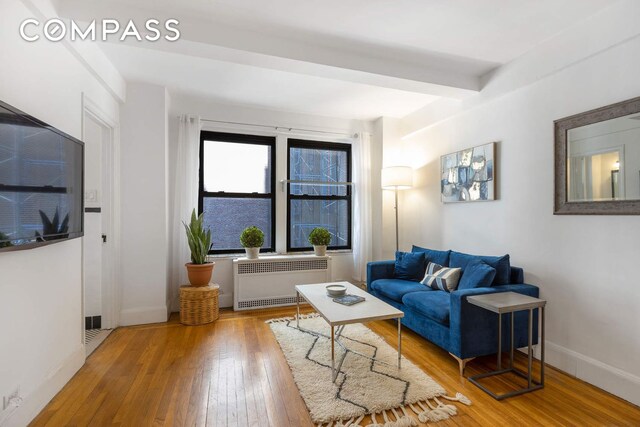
(237, 183)
(318, 203)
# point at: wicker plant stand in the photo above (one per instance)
(199, 305)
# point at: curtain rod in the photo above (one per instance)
(285, 128)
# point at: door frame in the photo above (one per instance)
(111, 165)
(595, 152)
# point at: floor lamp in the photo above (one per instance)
(397, 178)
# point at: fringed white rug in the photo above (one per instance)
(394, 397)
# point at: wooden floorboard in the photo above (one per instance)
(232, 373)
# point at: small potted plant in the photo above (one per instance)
(252, 239)
(199, 269)
(5, 242)
(320, 238)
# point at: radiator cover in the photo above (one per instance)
(270, 281)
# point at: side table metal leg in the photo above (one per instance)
(499, 341)
(542, 347)
(530, 362)
(399, 342)
(333, 355)
(511, 342)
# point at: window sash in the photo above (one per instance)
(247, 139)
(320, 145)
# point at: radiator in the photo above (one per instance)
(270, 281)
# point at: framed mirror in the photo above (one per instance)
(597, 161)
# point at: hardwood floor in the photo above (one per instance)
(232, 373)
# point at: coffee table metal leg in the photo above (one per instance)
(297, 309)
(333, 355)
(499, 341)
(399, 342)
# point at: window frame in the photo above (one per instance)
(324, 145)
(270, 141)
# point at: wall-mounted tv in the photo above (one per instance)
(41, 182)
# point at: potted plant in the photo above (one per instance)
(320, 238)
(198, 270)
(4, 241)
(252, 239)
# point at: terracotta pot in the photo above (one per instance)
(199, 274)
(252, 253)
(320, 250)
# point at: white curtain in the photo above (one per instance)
(185, 196)
(362, 247)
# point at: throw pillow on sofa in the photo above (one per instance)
(409, 266)
(441, 278)
(432, 255)
(477, 274)
(500, 263)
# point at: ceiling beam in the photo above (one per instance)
(302, 53)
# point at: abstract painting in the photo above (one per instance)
(468, 175)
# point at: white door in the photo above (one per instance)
(96, 222)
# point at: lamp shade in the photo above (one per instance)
(397, 178)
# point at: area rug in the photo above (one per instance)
(393, 397)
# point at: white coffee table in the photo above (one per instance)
(338, 315)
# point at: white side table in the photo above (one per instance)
(510, 302)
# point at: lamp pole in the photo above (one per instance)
(396, 178)
(396, 208)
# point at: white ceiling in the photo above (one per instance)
(354, 59)
(489, 30)
(227, 82)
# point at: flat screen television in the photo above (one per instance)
(41, 182)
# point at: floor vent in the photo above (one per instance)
(90, 334)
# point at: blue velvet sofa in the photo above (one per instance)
(447, 319)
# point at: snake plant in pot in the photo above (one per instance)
(198, 270)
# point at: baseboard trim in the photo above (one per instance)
(616, 381)
(36, 401)
(225, 301)
(143, 315)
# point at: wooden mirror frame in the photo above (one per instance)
(561, 127)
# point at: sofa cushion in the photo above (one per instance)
(477, 274)
(441, 278)
(432, 304)
(395, 289)
(409, 266)
(500, 263)
(432, 255)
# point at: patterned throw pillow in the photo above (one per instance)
(441, 278)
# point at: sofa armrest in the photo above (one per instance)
(379, 270)
(474, 330)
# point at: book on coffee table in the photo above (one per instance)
(349, 299)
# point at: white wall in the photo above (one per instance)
(40, 291)
(144, 235)
(377, 150)
(394, 154)
(584, 265)
(342, 265)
